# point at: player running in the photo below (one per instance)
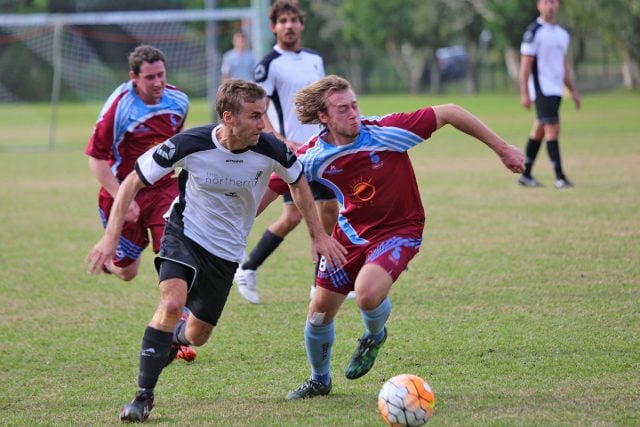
(364, 161)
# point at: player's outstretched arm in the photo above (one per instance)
(466, 122)
(106, 246)
(321, 242)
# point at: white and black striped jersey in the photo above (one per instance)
(548, 44)
(282, 73)
(219, 189)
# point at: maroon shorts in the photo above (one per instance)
(392, 253)
(154, 202)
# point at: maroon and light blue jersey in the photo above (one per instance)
(127, 127)
(372, 177)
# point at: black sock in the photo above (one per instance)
(153, 356)
(553, 148)
(267, 244)
(531, 152)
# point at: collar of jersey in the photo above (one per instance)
(286, 52)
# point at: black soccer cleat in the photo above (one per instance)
(139, 408)
(310, 388)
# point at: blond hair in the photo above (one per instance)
(313, 99)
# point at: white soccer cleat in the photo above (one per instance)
(247, 283)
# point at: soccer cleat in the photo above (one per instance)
(310, 388)
(563, 183)
(363, 358)
(526, 181)
(139, 408)
(186, 353)
(247, 283)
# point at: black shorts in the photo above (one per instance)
(319, 191)
(548, 109)
(209, 277)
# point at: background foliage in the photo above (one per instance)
(390, 45)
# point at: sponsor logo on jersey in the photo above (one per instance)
(260, 72)
(363, 191)
(166, 150)
(217, 180)
(333, 170)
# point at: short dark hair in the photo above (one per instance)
(233, 93)
(144, 53)
(284, 6)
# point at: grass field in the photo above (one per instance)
(523, 307)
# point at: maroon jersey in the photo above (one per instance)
(372, 177)
(127, 127)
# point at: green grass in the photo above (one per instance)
(523, 307)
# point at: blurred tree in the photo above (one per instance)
(507, 21)
(407, 32)
(617, 22)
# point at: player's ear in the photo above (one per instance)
(322, 117)
(132, 75)
(227, 118)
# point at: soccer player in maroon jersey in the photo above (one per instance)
(364, 161)
(139, 114)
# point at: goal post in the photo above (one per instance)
(82, 56)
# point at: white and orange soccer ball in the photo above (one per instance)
(406, 400)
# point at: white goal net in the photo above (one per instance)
(83, 56)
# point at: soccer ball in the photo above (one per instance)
(406, 400)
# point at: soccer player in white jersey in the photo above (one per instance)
(225, 170)
(364, 161)
(544, 72)
(282, 72)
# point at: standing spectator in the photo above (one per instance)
(544, 72)
(282, 72)
(225, 169)
(365, 161)
(139, 114)
(238, 62)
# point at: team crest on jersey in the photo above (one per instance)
(375, 160)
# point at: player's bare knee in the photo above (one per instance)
(317, 319)
(367, 301)
(171, 307)
(292, 220)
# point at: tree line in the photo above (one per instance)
(399, 39)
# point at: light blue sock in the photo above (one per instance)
(374, 320)
(318, 341)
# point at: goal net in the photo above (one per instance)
(82, 57)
